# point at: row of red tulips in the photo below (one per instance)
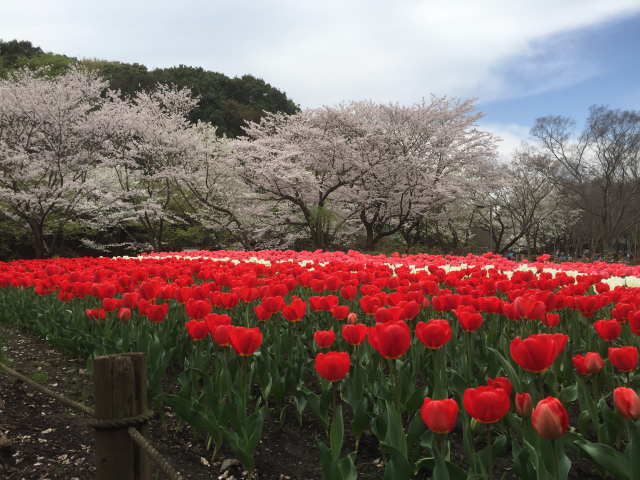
(234, 328)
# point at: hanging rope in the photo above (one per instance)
(47, 391)
(106, 424)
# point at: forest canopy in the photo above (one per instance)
(226, 102)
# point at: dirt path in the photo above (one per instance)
(46, 440)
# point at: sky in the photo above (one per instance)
(521, 59)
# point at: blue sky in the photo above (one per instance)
(520, 58)
(604, 70)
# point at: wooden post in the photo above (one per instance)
(120, 392)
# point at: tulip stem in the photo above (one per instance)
(490, 452)
(439, 366)
(395, 385)
(469, 350)
(540, 385)
(556, 470)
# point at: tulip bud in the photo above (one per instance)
(550, 418)
(474, 424)
(352, 317)
(627, 402)
(124, 314)
(523, 404)
(439, 415)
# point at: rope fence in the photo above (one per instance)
(121, 412)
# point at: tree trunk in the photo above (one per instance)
(40, 248)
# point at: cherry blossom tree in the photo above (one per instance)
(71, 150)
(303, 168)
(419, 159)
(53, 133)
(363, 166)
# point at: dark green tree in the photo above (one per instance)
(128, 78)
(12, 50)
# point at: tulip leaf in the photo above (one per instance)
(508, 368)
(440, 472)
(564, 466)
(569, 394)
(347, 468)
(454, 472)
(634, 449)
(607, 458)
(336, 435)
(398, 467)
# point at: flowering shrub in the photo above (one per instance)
(414, 347)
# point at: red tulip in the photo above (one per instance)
(262, 313)
(529, 307)
(110, 304)
(156, 313)
(349, 292)
(272, 304)
(130, 299)
(324, 338)
(228, 300)
(551, 320)
(370, 304)
(391, 314)
(295, 310)
(608, 330)
(434, 333)
(95, 313)
(197, 309)
(197, 329)
(354, 333)
(324, 303)
(634, 322)
(622, 311)
(410, 310)
(624, 359)
(340, 312)
(550, 418)
(391, 339)
(124, 314)
(220, 334)
(537, 353)
(501, 382)
(627, 402)
(245, 341)
(333, 366)
(439, 415)
(588, 363)
(486, 404)
(523, 404)
(149, 289)
(470, 320)
(215, 319)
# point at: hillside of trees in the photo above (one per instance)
(223, 101)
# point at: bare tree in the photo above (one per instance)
(598, 173)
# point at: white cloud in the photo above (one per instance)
(512, 135)
(327, 52)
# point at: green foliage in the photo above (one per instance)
(55, 64)
(14, 240)
(40, 376)
(225, 102)
(128, 78)
(13, 50)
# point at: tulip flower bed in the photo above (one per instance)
(527, 367)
